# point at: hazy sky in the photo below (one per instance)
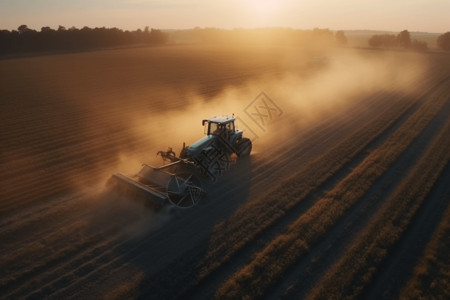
(393, 15)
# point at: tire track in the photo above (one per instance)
(389, 224)
(131, 255)
(329, 210)
(202, 284)
(206, 289)
(396, 270)
(305, 274)
(118, 254)
(96, 242)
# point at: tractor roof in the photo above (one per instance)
(223, 119)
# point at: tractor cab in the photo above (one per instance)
(220, 134)
(219, 125)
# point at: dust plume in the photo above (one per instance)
(87, 116)
(324, 87)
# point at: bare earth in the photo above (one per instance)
(70, 121)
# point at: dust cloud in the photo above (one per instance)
(83, 117)
(326, 85)
(93, 114)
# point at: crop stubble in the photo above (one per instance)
(87, 260)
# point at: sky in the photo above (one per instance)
(388, 15)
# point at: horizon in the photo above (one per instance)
(231, 29)
(347, 15)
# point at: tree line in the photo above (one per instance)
(403, 40)
(26, 40)
(443, 41)
(258, 36)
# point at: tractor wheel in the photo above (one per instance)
(244, 147)
(217, 161)
(185, 190)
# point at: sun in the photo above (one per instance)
(265, 12)
(263, 7)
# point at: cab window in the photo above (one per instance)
(230, 126)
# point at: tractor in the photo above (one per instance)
(180, 180)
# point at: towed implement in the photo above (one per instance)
(179, 182)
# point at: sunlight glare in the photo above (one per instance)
(264, 12)
(263, 7)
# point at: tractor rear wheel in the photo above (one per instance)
(184, 190)
(243, 147)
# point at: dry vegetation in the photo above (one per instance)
(432, 273)
(288, 247)
(255, 216)
(333, 187)
(386, 227)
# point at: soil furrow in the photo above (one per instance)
(73, 252)
(304, 275)
(384, 121)
(174, 266)
(73, 118)
(395, 271)
(244, 255)
(389, 221)
(260, 242)
(131, 255)
(328, 211)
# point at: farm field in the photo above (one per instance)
(345, 195)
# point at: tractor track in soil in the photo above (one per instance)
(91, 264)
(302, 276)
(100, 258)
(44, 136)
(239, 256)
(395, 271)
(131, 254)
(206, 289)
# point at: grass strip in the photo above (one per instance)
(288, 247)
(373, 244)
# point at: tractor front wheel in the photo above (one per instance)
(243, 147)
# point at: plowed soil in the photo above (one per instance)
(70, 121)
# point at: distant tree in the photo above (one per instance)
(375, 41)
(340, 37)
(383, 40)
(419, 46)
(319, 32)
(46, 29)
(23, 28)
(26, 40)
(404, 39)
(158, 37)
(443, 41)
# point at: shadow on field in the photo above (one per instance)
(167, 255)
